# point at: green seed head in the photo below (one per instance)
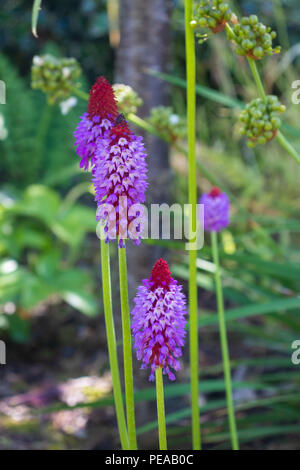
(169, 125)
(212, 14)
(260, 120)
(251, 31)
(54, 76)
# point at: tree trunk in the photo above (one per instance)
(146, 44)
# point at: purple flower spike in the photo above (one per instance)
(94, 125)
(120, 182)
(216, 210)
(158, 324)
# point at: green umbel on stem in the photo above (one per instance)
(112, 345)
(162, 432)
(192, 186)
(280, 137)
(224, 343)
(127, 350)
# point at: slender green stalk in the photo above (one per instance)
(112, 346)
(257, 78)
(127, 350)
(224, 344)
(80, 93)
(162, 432)
(192, 189)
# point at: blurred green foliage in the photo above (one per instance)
(40, 239)
(39, 147)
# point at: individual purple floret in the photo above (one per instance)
(158, 324)
(120, 182)
(216, 210)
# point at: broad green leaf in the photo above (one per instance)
(38, 201)
(34, 290)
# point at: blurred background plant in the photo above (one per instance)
(48, 246)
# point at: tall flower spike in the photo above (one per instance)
(120, 182)
(94, 124)
(216, 210)
(158, 324)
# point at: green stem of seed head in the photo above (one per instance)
(224, 343)
(257, 78)
(127, 349)
(112, 345)
(192, 187)
(162, 432)
(80, 93)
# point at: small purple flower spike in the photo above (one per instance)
(158, 324)
(94, 125)
(216, 210)
(120, 182)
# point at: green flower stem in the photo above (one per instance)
(224, 343)
(146, 126)
(257, 78)
(127, 350)
(192, 189)
(112, 346)
(80, 93)
(162, 432)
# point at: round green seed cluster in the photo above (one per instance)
(169, 125)
(254, 39)
(54, 76)
(212, 14)
(260, 120)
(128, 100)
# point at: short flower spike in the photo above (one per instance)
(216, 210)
(158, 324)
(120, 179)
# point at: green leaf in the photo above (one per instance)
(253, 310)
(73, 285)
(82, 301)
(34, 17)
(201, 90)
(34, 290)
(246, 435)
(38, 201)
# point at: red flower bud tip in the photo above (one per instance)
(160, 276)
(102, 102)
(215, 192)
